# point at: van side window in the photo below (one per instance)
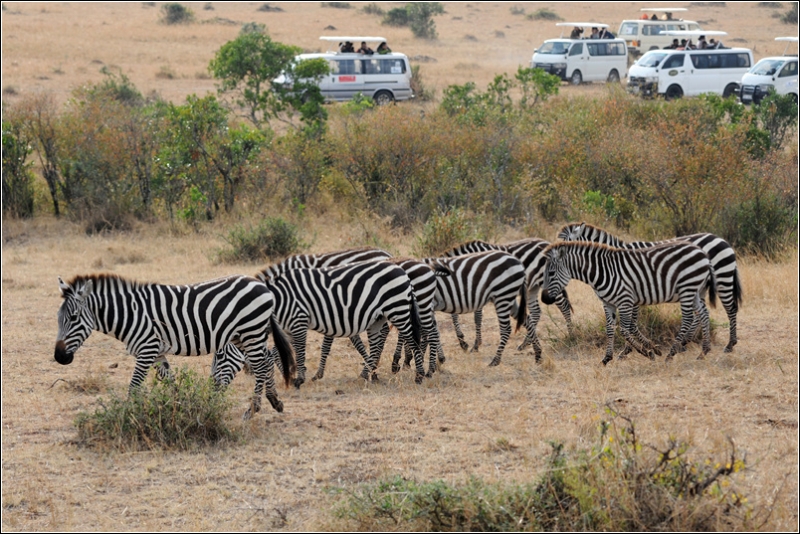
(653, 29)
(346, 66)
(700, 61)
(596, 49)
(384, 66)
(790, 69)
(616, 49)
(629, 29)
(673, 62)
(743, 60)
(713, 61)
(576, 50)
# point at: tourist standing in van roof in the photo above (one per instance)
(365, 49)
(595, 34)
(577, 31)
(383, 48)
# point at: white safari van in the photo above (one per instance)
(677, 73)
(777, 74)
(383, 77)
(645, 34)
(583, 59)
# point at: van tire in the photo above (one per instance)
(613, 76)
(730, 90)
(576, 78)
(382, 98)
(673, 92)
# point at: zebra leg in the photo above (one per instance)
(643, 341)
(384, 336)
(299, 335)
(688, 307)
(377, 334)
(562, 301)
(261, 370)
(503, 310)
(145, 357)
(531, 322)
(398, 352)
(611, 325)
(327, 341)
(459, 334)
(629, 330)
(435, 344)
(702, 311)
(478, 320)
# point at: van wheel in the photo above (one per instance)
(382, 98)
(730, 90)
(673, 92)
(576, 78)
(613, 76)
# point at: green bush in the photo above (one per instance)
(790, 17)
(617, 485)
(17, 174)
(173, 13)
(446, 229)
(373, 9)
(272, 239)
(417, 16)
(174, 414)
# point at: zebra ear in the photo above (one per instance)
(66, 289)
(87, 287)
(581, 228)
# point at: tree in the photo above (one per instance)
(17, 177)
(41, 124)
(267, 82)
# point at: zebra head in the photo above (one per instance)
(572, 232)
(556, 276)
(75, 320)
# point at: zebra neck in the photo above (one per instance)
(608, 239)
(116, 307)
(588, 265)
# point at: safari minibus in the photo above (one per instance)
(677, 73)
(777, 74)
(584, 59)
(645, 34)
(383, 77)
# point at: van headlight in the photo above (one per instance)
(560, 66)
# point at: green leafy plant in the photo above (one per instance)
(271, 239)
(173, 414)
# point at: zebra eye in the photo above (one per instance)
(74, 317)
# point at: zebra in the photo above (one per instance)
(154, 319)
(719, 251)
(477, 279)
(530, 252)
(625, 279)
(342, 302)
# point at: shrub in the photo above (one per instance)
(179, 413)
(790, 17)
(173, 13)
(617, 485)
(421, 92)
(373, 9)
(417, 16)
(273, 238)
(446, 229)
(17, 175)
(543, 14)
(337, 5)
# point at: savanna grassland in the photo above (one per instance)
(469, 420)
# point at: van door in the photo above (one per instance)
(576, 60)
(673, 72)
(344, 81)
(786, 80)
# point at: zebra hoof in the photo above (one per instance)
(276, 404)
(374, 378)
(606, 360)
(299, 382)
(395, 368)
(657, 351)
(418, 378)
(441, 358)
(522, 347)
(728, 348)
(316, 377)
(464, 344)
(495, 362)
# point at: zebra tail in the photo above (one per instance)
(522, 310)
(712, 289)
(738, 294)
(416, 322)
(284, 350)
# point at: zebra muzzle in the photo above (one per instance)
(62, 356)
(546, 298)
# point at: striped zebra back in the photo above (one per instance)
(323, 260)
(471, 247)
(476, 280)
(342, 301)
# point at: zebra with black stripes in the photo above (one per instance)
(343, 302)
(188, 320)
(625, 279)
(477, 279)
(719, 251)
(529, 251)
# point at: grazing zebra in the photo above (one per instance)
(477, 279)
(153, 320)
(720, 253)
(343, 302)
(625, 279)
(530, 252)
(323, 260)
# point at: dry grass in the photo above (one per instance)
(77, 39)
(468, 420)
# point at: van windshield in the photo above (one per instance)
(766, 67)
(558, 47)
(651, 59)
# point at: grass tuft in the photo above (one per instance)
(176, 414)
(619, 484)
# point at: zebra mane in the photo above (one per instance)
(578, 244)
(467, 245)
(99, 278)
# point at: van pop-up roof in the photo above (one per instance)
(789, 41)
(352, 39)
(597, 25)
(668, 11)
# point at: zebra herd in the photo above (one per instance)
(345, 293)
